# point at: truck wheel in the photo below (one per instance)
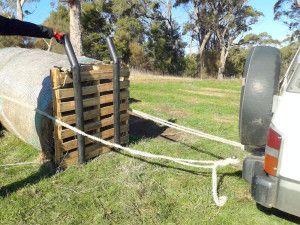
(261, 81)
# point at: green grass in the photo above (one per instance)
(117, 189)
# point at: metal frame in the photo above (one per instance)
(116, 89)
(75, 67)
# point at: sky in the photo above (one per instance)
(42, 9)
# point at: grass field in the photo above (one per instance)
(118, 189)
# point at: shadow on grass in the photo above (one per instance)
(278, 213)
(45, 171)
(141, 128)
(133, 100)
(1, 130)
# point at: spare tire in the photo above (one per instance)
(261, 81)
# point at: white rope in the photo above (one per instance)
(188, 130)
(220, 201)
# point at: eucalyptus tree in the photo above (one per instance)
(230, 20)
(288, 11)
(199, 25)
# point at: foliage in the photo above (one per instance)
(138, 58)
(287, 54)
(165, 48)
(190, 65)
(236, 60)
(8, 41)
(258, 39)
(128, 30)
(288, 11)
(95, 29)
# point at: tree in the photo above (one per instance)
(75, 26)
(95, 29)
(20, 4)
(230, 20)
(165, 47)
(199, 26)
(288, 11)
(130, 21)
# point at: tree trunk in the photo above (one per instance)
(201, 51)
(223, 58)
(75, 26)
(20, 4)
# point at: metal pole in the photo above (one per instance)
(116, 88)
(78, 96)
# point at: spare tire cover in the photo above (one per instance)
(261, 80)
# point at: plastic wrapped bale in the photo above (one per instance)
(25, 77)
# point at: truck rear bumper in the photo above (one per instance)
(269, 191)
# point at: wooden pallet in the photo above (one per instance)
(97, 91)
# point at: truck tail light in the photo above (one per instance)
(272, 152)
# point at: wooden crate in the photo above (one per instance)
(97, 91)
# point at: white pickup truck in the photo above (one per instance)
(269, 127)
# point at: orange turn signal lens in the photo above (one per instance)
(271, 165)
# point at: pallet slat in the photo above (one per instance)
(92, 126)
(69, 92)
(92, 75)
(69, 106)
(103, 111)
(67, 146)
(91, 152)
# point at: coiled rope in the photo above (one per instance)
(207, 164)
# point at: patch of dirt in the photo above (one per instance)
(172, 134)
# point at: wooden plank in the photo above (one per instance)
(102, 67)
(124, 72)
(103, 111)
(91, 152)
(91, 75)
(92, 126)
(69, 92)
(55, 72)
(88, 76)
(67, 146)
(69, 106)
